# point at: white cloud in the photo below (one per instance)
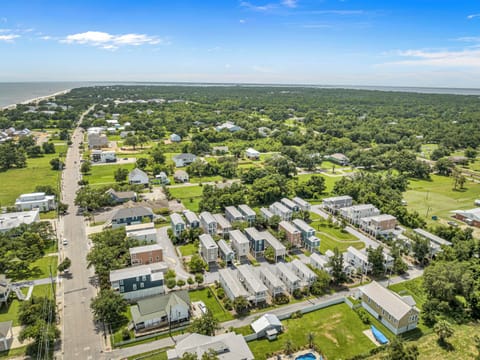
(290, 3)
(439, 58)
(9, 37)
(109, 41)
(242, 21)
(46, 37)
(260, 8)
(473, 16)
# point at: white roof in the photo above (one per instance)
(11, 220)
(207, 241)
(238, 237)
(254, 233)
(265, 322)
(190, 216)
(134, 271)
(358, 254)
(251, 278)
(234, 285)
(266, 212)
(382, 217)
(142, 232)
(207, 217)
(432, 237)
(176, 219)
(252, 151)
(233, 211)
(319, 259)
(273, 241)
(224, 247)
(272, 278)
(302, 225)
(473, 214)
(337, 198)
(221, 221)
(300, 201)
(142, 249)
(386, 299)
(359, 207)
(288, 226)
(280, 207)
(289, 274)
(246, 210)
(289, 203)
(136, 227)
(304, 269)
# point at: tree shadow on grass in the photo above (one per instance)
(444, 344)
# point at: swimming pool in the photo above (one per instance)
(308, 356)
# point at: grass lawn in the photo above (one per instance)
(19, 181)
(211, 303)
(329, 181)
(44, 290)
(337, 333)
(331, 237)
(153, 355)
(41, 267)
(10, 313)
(411, 287)
(14, 353)
(103, 174)
(189, 195)
(189, 249)
(437, 197)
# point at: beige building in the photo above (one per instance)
(399, 314)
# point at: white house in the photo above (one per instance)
(281, 210)
(354, 213)
(183, 159)
(248, 214)
(333, 204)
(302, 204)
(279, 249)
(320, 262)
(252, 154)
(303, 272)
(137, 176)
(192, 219)
(181, 176)
(226, 252)
(252, 283)
(267, 325)
(290, 204)
(266, 214)
(37, 200)
(233, 214)
(291, 281)
(272, 282)
(12, 220)
(231, 284)
(240, 243)
(100, 156)
(208, 223)
(223, 225)
(208, 248)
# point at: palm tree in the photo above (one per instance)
(310, 339)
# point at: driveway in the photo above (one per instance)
(170, 254)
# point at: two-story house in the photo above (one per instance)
(131, 216)
(231, 284)
(38, 200)
(233, 214)
(193, 221)
(257, 241)
(252, 283)
(302, 204)
(178, 225)
(248, 214)
(287, 276)
(380, 225)
(334, 204)
(273, 283)
(208, 223)
(354, 213)
(303, 272)
(290, 204)
(184, 159)
(139, 177)
(293, 235)
(281, 210)
(240, 244)
(144, 255)
(223, 225)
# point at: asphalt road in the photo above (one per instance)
(81, 339)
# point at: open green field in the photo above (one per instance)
(20, 181)
(437, 197)
(337, 330)
(189, 249)
(189, 195)
(413, 288)
(103, 174)
(41, 267)
(329, 181)
(211, 303)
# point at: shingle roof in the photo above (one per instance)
(246, 210)
(238, 237)
(251, 278)
(432, 237)
(136, 211)
(231, 280)
(145, 248)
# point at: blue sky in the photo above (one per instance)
(337, 42)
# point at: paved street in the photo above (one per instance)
(81, 338)
(170, 255)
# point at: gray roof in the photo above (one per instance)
(359, 207)
(145, 248)
(321, 260)
(134, 271)
(137, 172)
(382, 217)
(386, 299)
(302, 225)
(289, 274)
(190, 216)
(122, 194)
(5, 328)
(338, 198)
(273, 241)
(207, 241)
(265, 322)
(11, 220)
(184, 156)
(288, 226)
(221, 221)
(224, 247)
(304, 269)
(238, 237)
(176, 219)
(289, 203)
(136, 211)
(233, 211)
(272, 278)
(280, 207)
(246, 210)
(299, 201)
(254, 233)
(251, 278)
(432, 237)
(207, 217)
(266, 212)
(158, 306)
(231, 279)
(228, 346)
(180, 173)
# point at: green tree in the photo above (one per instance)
(241, 305)
(142, 163)
(397, 350)
(421, 249)
(210, 355)
(288, 347)
(64, 265)
(48, 148)
(158, 157)
(444, 330)
(207, 324)
(131, 140)
(189, 356)
(56, 164)
(336, 263)
(199, 279)
(196, 264)
(444, 166)
(471, 153)
(120, 175)
(86, 167)
(376, 259)
(269, 254)
(108, 306)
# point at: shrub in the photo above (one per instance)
(297, 294)
(220, 293)
(362, 314)
(296, 315)
(162, 211)
(125, 334)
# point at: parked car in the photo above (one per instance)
(65, 242)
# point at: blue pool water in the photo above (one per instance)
(308, 356)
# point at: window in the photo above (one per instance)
(121, 282)
(122, 289)
(141, 285)
(134, 287)
(144, 278)
(137, 279)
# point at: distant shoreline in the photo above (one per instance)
(37, 99)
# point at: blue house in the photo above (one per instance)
(130, 216)
(139, 281)
(257, 241)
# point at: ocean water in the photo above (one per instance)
(14, 93)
